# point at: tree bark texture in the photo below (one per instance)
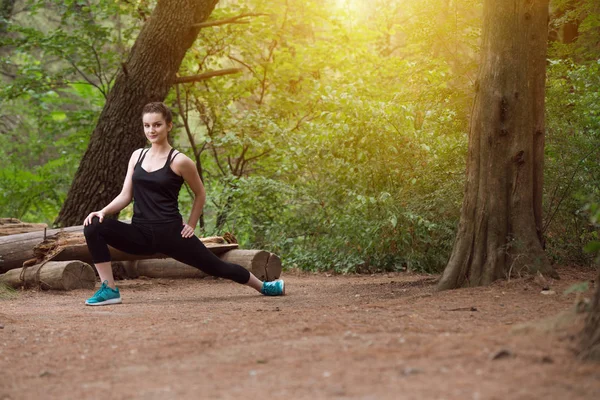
(590, 337)
(146, 76)
(16, 249)
(499, 233)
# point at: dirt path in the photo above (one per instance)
(359, 337)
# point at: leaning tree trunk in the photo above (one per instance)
(145, 77)
(501, 218)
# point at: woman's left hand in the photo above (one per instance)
(187, 231)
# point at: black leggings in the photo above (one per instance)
(158, 238)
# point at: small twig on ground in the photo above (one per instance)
(472, 308)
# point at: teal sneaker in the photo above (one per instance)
(275, 288)
(104, 296)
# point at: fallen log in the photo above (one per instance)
(53, 275)
(161, 268)
(69, 244)
(73, 247)
(255, 261)
(16, 249)
(12, 226)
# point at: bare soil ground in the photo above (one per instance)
(388, 336)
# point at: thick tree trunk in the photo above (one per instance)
(145, 77)
(500, 226)
(590, 337)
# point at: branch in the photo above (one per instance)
(243, 63)
(87, 79)
(206, 75)
(240, 158)
(210, 131)
(263, 83)
(264, 153)
(100, 70)
(232, 20)
(188, 132)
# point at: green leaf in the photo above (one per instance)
(58, 116)
(592, 247)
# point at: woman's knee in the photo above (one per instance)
(93, 228)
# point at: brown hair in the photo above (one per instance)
(159, 108)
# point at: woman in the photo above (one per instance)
(154, 178)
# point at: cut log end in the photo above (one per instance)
(273, 267)
(74, 275)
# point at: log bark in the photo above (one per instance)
(12, 226)
(64, 275)
(146, 76)
(256, 261)
(167, 268)
(16, 249)
(500, 229)
(69, 244)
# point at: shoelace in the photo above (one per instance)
(101, 291)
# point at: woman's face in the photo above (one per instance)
(156, 128)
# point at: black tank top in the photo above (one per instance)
(155, 194)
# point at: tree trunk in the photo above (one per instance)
(590, 338)
(499, 233)
(146, 76)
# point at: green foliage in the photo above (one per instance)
(341, 146)
(60, 66)
(592, 209)
(42, 149)
(572, 168)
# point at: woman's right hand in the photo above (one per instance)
(88, 219)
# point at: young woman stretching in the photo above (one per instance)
(154, 178)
